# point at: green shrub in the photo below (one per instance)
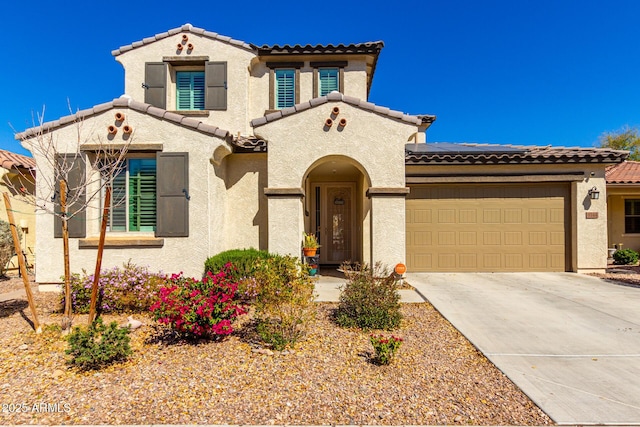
(284, 302)
(244, 261)
(129, 288)
(385, 348)
(98, 345)
(369, 299)
(7, 249)
(625, 257)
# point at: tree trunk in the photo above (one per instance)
(96, 274)
(21, 262)
(66, 318)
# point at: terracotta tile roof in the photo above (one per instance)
(185, 28)
(335, 97)
(624, 173)
(9, 160)
(126, 102)
(319, 49)
(466, 153)
(249, 144)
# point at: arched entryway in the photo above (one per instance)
(337, 209)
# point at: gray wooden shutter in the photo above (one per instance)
(216, 86)
(75, 191)
(155, 81)
(172, 188)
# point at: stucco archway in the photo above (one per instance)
(337, 209)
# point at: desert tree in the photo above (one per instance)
(627, 138)
(73, 175)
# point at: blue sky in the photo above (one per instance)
(493, 71)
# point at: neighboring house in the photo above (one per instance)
(623, 205)
(16, 176)
(237, 145)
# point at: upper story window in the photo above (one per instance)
(285, 88)
(190, 90)
(133, 202)
(328, 76)
(203, 86)
(328, 81)
(632, 216)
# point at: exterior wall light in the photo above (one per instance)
(594, 194)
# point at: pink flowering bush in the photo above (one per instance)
(385, 348)
(199, 308)
(130, 288)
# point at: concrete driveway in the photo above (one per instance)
(571, 342)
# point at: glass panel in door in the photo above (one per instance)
(338, 221)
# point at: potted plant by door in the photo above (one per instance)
(309, 244)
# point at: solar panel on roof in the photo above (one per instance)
(453, 148)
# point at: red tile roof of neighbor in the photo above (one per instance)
(624, 173)
(9, 160)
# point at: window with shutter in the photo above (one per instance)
(155, 80)
(190, 90)
(216, 86)
(328, 81)
(285, 94)
(173, 194)
(133, 202)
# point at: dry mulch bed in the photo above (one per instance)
(628, 275)
(438, 377)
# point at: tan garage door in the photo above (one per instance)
(508, 227)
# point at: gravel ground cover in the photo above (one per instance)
(625, 274)
(438, 377)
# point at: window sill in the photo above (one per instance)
(122, 242)
(192, 113)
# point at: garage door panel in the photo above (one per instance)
(491, 261)
(509, 227)
(467, 238)
(537, 216)
(491, 216)
(512, 238)
(513, 261)
(468, 216)
(513, 216)
(447, 238)
(557, 238)
(491, 238)
(446, 216)
(422, 216)
(556, 216)
(537, 238)
(468, 261)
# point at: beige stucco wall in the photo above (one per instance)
(246, 208)
(388, 236)
(374, 143)
(206, 206)
(23, 211)
(590, 239)
(588, 235)
(616, 195)
(235, 118)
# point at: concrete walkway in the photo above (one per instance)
(8, 296)
(327, 290)
(571, 342)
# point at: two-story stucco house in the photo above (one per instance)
(236, 145)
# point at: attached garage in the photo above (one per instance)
(489, 227)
